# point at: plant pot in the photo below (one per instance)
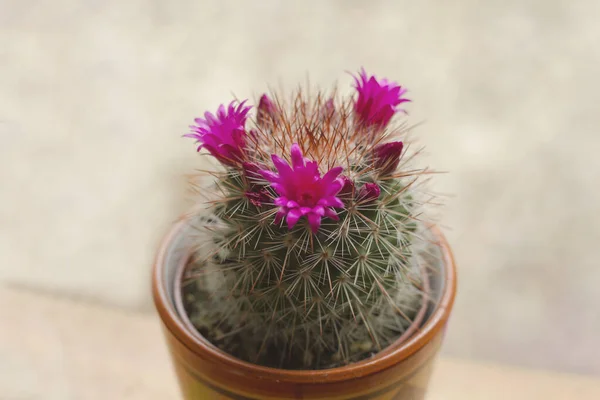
(399, 372)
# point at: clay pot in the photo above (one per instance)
(205, 372)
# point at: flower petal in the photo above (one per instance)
(297, 157)
(335, 187)
(319, 210)
(331, 201)
(280, 201)
(280, 189)
(279, 216)
(239, 137)
(332, 174)
(282, 167)
(212, 150)
(305, 210)
(269, 175)
(292, 217)
(312, 168)
(331, 213)
(314, 220)
(195, 135)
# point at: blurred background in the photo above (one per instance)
(95, 95)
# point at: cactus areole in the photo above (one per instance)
(311, 246)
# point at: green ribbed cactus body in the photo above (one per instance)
(311, 251)
(294, 299)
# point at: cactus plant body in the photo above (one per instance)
(308, 253)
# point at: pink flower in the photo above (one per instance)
(377, 100)
(223, 135)
(387, 157)
(302, 190)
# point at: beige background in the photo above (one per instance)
(94, 96)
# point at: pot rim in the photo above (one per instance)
(383, 360)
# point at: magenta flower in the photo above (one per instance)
(223, 135)
(387, 157)
(302, 190)
(377, 100)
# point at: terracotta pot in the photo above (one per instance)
(205, 372)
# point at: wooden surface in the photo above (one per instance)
(55, 348)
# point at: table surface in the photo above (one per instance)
(57, 348)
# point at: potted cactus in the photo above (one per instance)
(309, 269)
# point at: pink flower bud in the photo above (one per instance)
(387, 157)
(369, 192)
(347, 187)
(266, 111)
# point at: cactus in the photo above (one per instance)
(308, 253)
